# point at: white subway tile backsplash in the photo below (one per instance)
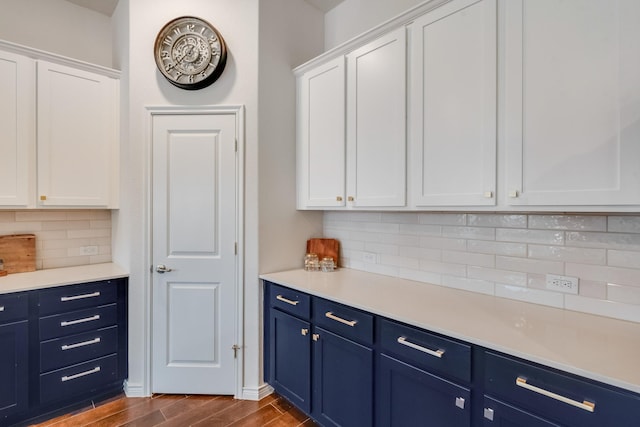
(618, 275)
(493, 220)
(568, 254)
(623, 259)
(60, 234)
(621, 293)
(498, 276)
(530, 236)
(529, 265)
(624, 224)
(443, 219)
(627, 241)
(507, 255)
(568, 222)
(469, 258)
(497, 248)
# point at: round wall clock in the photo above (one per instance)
(190, 52)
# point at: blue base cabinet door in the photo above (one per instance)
(499, 414)
(290, 359)
(13, 369)
(411, 397)
(343, 381)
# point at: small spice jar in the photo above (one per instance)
(327, 264)
(311, 262)
(3, 272)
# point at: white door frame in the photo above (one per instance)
(238, 112)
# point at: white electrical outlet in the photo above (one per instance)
(565, 284)
(369, 257)
(89, 250)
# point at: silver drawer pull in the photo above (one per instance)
(81, 374)
(83, 296)
(75, 322)
(332, 316)
(584, 405)
(80, 344)
(436, 353)
(1, 307)
(288, 301)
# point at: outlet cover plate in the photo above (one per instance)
(564, 284)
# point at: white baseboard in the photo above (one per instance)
(253, 393)
(134, 390)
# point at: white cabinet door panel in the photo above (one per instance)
(17, 130)
(453, 105)
(376, 122)
(77, 116)
(571, 102)
(321, 136)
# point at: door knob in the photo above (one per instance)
(161, 268)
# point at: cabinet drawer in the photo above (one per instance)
(345, 321)
(13, 307)
(79, 321)
(68, 298)
(425, 350)
(74, 349)
(557, 396)
(78, 379)
(290, 301)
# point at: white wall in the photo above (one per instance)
(353, 17)
(59, 27)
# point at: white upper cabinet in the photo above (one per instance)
(452, 102)
(17, 130)
(572, 102)
(376, 122)
(321, 136)
(351, 148)
(77, 127)
(59, 135)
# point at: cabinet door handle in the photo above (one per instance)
(75, 322)
(315, 337)
(1, 307)
(288, 301)
(81, 374)
(434, 353)
(332, 316)
(80, 344)
(584, 405)
(76, 297)
(304, 332)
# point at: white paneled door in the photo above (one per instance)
(195, 265)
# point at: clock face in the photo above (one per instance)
(190, 52)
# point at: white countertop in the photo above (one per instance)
(60, 276)
(600, 348)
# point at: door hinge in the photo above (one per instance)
(235, 248)
(235, 349)
(236, 145)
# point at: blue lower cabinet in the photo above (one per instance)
(500, 414)
(342, 381)
(409, 396)
(13, 368)
(290, 358)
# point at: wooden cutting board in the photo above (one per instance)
(325, 248)
(18, 251)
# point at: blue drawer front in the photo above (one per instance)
(79, 321)
(425, 350)
(13, 307)
(290, 301)
(74, 349)
(611, 407)
(346, 321)
(82, 378)
(500, 414)
(75, 297)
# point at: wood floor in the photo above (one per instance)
(181, 411)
